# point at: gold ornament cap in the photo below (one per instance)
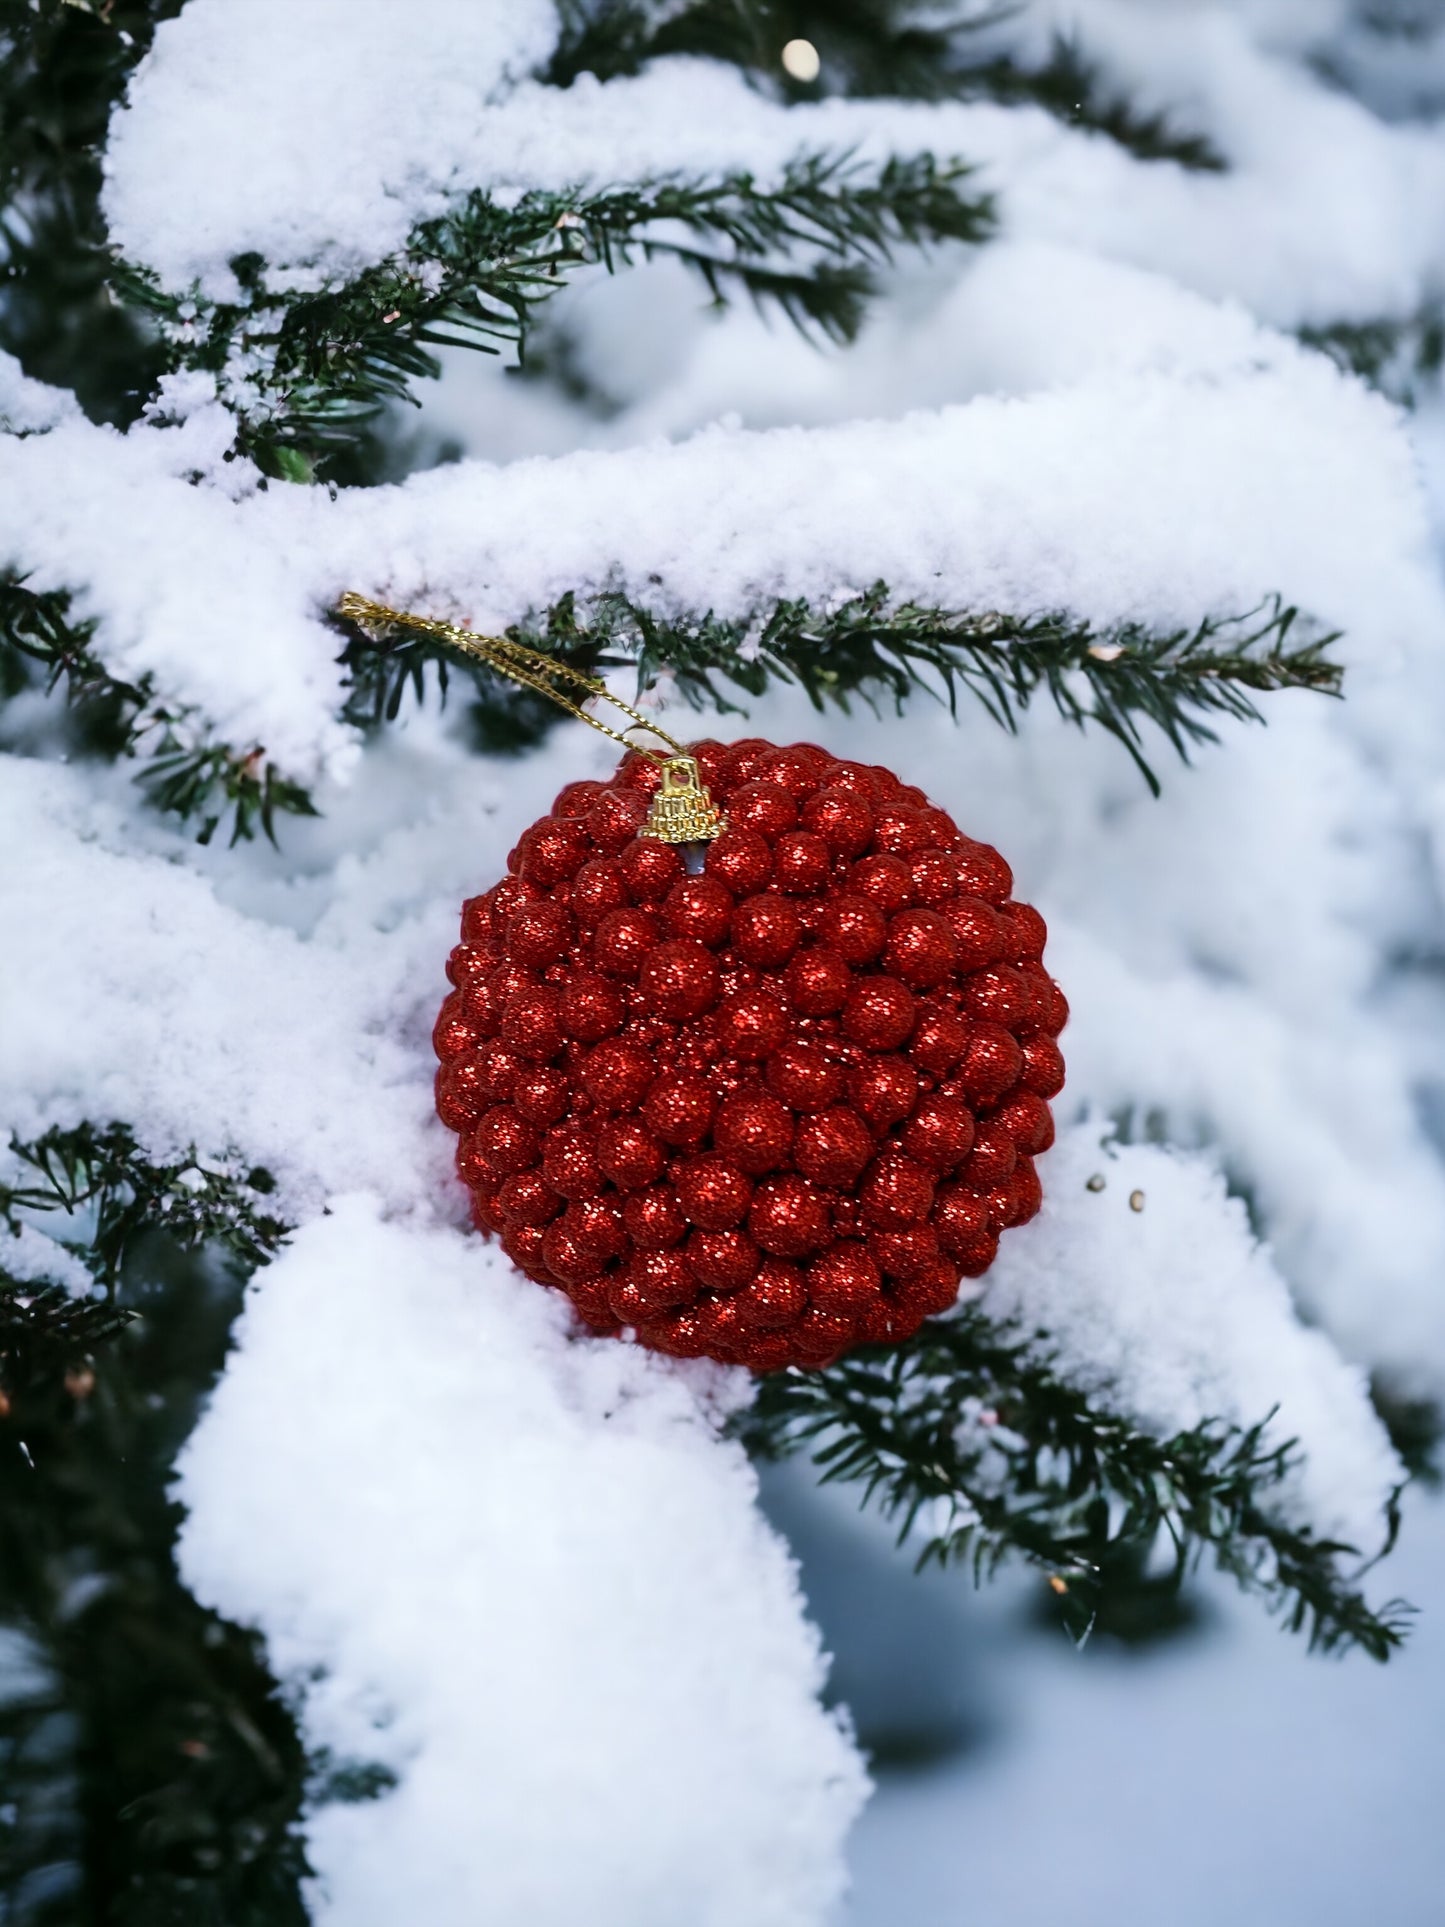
(682, 809)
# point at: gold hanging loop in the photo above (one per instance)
(682, 811)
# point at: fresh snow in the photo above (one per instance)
(581, 1654)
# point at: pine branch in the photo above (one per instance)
(1402, 358)
(64, 65)
(1119, 679)
(102, 1174)
(186, 770)
(871, 49)
(968, 1437)
(302, 372)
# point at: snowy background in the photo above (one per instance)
(1105, 411)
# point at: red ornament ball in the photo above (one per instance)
(762, 1107)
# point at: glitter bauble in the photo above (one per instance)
(761, 1105)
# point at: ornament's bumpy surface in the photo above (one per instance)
(766, 1112)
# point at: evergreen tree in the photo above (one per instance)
(152, 1770)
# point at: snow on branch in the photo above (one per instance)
(302, 370)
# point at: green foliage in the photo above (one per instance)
(302, 372)
(63, 66)
(871, 48)
(969, 1438)
(1403, 359)
(1118, 679)
(185, 770)
(151, 1774)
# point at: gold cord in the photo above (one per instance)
(681, 812)
(526, 666)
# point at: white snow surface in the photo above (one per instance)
(542, 1596)
(587, 1662)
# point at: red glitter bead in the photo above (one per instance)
(680, 980)
(959, 1219)
(765, 1351)
(900, 831)
(855, 927)
(679, 1108)
(462, 1092)
(615, 819)
(497, 1072)
(777, 1296)
(788, 1218)
(884, 881)
(801, 862)
(844, 1279)
(754, 1131)
(653, 1218)
(1025, 932)
(539, 1093)
(628, 1153)
(617, 1075)
(818, 981)
(523, 1245)
(590, 1006)
(681, 1335)
(740, 859)
(992, 1159)
(598, 888)
(982, 872)
(658, 1280)
(934, 875)
(1043, 1068)
(842, 818)
(822, 1336)
(469, 961)
(897, 1192)
(1058, 1011)
(509, 895)
(991, 1064)
(553, 850)
(883, 1090)
(527, 1198)
(742, 763)
(507, 1142)
(977, 1261)
(624, 941)
(569, 1162)
(537, 934)
(940, 1037)
(764, 808)
(879, 1013)
(1028, 1121)
(804, 1078)
(650, 868)
(1028, 1193)
(482, 1005)
(576, 799)
(724, 1331)
(712, 1192)
(931, 1290)
(766, 931)
(486, 1215)
(699, 908)
(638, 772)
(478, 922)
(977, 931)
(1001, 995)
(903, 1254)
(920, 950)
(452, 1035)
(573, 1250)
(751, 1024)
(940, 1133)
(798, 769)
(834, 1148)
(532, 1024)
(722, 1260)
